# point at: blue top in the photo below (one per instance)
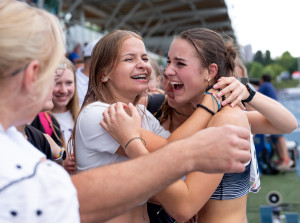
(268, 89)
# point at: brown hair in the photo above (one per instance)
(212, 48)
(104, 57)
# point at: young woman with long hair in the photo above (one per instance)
(197, 59)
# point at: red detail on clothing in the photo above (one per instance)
(45, 122)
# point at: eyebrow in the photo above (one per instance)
(133, 54)
(177, 59)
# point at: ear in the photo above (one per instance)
(212, 71)
(31, 74)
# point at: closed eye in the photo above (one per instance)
(128, 59)
(181, 64)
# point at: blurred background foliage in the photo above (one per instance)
(281, 69)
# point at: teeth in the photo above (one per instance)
(140, 76)
(175, 83)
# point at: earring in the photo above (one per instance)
(208, 86)
(105, 79)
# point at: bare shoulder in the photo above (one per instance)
(229, 115)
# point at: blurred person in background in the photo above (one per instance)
(82, 73)
(284, 162)
(66, 107)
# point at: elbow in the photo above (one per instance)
(292, 126)
(295, 126)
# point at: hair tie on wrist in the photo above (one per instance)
(130, 140)
(206, 108)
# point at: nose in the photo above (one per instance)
(142, 64)
(63, 88)
(169, 71)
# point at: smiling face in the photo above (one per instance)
(63, 91)
(185, 73)
(131, 74)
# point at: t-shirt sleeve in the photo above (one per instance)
(152, 124)
(91, 133)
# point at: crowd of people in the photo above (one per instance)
(104, 142)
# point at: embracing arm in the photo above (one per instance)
(184, 199)
(102, 193)
(270, 116)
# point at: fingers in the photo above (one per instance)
(233, 89)
(240, 104)
(133, 110)
(241, 132)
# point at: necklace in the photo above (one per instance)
(177, 112)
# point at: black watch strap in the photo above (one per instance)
(252, 92)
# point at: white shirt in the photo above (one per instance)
(33, 189)
(94, 146)
(66, 123)
(82, 84)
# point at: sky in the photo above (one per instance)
(267, 25)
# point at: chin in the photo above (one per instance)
(48, 107)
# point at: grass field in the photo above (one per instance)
(287, 184)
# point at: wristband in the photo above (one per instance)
(130, 140)
(62, 155)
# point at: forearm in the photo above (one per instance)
(103, 194)
(277, 118)
(198, 121)
(183, 199)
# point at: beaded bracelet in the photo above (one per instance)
(219, 89)
(214, 97)
(130, 140)
(206, 108)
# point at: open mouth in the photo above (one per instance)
(140, 77)
(177, 85)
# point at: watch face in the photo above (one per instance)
(251, 88)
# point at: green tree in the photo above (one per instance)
(288, 62)
(267, 58)
(255, 70)
(273, 69)
(259, 57)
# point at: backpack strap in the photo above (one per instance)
(46, 122)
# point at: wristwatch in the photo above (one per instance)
(252, 92)
(61, 156)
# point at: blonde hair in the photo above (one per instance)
(73, 104)
(239, 63)
(26, 34)
(155, 66)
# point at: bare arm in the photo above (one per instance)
(271, 116)
(102, 193)
(184, 198)
(264, 119)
